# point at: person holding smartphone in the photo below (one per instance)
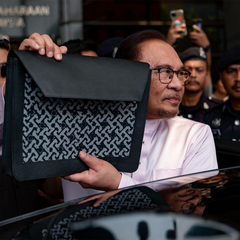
(200, 39)
(178, 28)
(175, 33)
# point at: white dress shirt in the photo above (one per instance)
(171, 147)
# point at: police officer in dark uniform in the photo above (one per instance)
(225, 118)
(195, 103)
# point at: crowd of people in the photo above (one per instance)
(183, 113)
(216, 107)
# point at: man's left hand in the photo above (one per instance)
(199, 37)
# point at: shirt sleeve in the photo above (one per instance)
(126, 181)
(202, 153)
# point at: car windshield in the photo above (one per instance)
(201, 194)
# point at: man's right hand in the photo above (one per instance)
(44, 45)
(101, 175)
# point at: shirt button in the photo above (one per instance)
(189, 115)
(237, 122)
(143, 142)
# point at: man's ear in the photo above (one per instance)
(221, 78)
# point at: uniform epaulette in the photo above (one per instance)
(217, 108)
(212, 99)
(211, 103)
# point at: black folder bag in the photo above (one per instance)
(55, 109)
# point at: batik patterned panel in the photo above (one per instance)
(56, 129)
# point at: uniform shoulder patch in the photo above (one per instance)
(212, 99)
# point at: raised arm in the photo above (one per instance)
(175, 33)
(199, 37)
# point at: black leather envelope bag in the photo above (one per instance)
(55, 109)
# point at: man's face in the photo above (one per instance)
(3, 59)
(231, 80)
(198, 69)
(164, 99)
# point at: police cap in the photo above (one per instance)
(108, 47)
(231, 56)
(193, 53)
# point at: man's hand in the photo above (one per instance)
(101, 175)
(199, 37)
(44, 45)
(175, 33)
(177, 197)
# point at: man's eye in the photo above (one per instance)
(166, 71)
(230, 71)
(183, 73)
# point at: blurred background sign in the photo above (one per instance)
(20, 18)
(101, 19)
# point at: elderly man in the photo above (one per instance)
(225, 119)
(172, 146)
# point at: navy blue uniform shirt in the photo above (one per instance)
(224, 122)
(197, 112)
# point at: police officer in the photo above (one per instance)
(225, 119)
(195, 103)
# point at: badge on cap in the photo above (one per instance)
(216, 122)
(202, 53)
(237, 122)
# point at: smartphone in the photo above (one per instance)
(178, 16)
(197, 21)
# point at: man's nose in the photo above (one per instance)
(193, 73)
(176, 83)
(238, 75)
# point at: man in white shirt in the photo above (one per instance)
(172, 146)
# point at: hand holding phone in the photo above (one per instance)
(199, 37)
(177, 16)
(198, 22)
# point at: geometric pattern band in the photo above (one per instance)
(57, 129)
(126, 201)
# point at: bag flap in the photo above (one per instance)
(84, 77)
